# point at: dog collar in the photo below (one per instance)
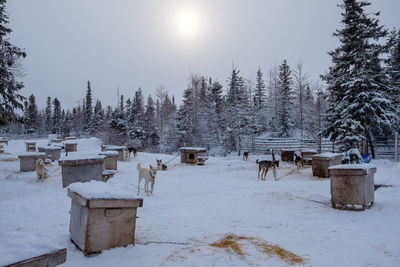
(152, 175)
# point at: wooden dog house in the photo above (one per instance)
(103, 216)
(352, 184)
(191, 155)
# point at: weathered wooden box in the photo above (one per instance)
(110, 160)
(56, 140)
(50, 259)
(81, 169)
(122, 151)
(27, 161)
(30, 146)
(102, 223)
(287, 155)
(321, 163)
(352, 184)
(71, 146)
(190, 155)
(52, 153)
(4, 140)
(306, 156)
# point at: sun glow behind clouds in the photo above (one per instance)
(187, 23)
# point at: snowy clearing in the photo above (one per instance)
(187, 220)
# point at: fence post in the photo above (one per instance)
(396, 147)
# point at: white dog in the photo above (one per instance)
(149, 176)
(41, 171)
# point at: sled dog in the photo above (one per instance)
(149, 176)
(132, 150)
(298, 161)
(41, 171)
(160, 166)
(264, 166)
(245, 156)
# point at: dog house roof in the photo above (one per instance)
(32, 154)
(196, 149)
(101, 190)
(327, 155)
(70, 142)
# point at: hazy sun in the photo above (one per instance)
(187, 23)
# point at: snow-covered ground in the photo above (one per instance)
(194, 206)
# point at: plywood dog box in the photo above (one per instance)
(24, 249)
(352, 184)
(122, 151)
(189, 155)
(27, 161)
(287, 155)
(103, 216)
(321, 163)
(306, 156)
(71, 146)
(110, 159)
(4, 140)
(52, 152)
(56, 140)
(30, 146)
(81, 168)
(50, 259)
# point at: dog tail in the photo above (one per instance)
(257, 161)
(138, 166)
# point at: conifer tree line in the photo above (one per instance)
(358, 101)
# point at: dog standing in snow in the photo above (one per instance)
(299, 162)
(41, 171)
(149, 176)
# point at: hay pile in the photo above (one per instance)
(231, 242)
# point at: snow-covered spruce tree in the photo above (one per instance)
(393, 70)
(10, 67)
(48, 120)
(259, 93)
(152, 139)
(185, 118)
(98, 116)
(88, 115)
(359, 106)
(259, 104)
(136, 134)
(118, 124)
(236, 111)
(213, 123)
(57, 123)
(32, 119)
(285, 106)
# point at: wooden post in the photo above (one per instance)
(396, 147)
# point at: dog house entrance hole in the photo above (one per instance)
(191, 156)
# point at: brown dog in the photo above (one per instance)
(264, 166)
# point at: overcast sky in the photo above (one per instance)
(139, 43)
